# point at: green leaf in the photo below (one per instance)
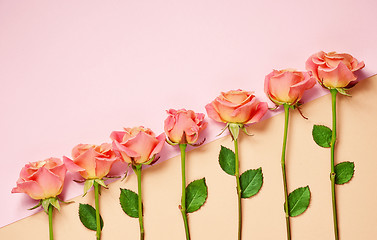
(322, 135)
(87, 216)
(196, 195)
(298, 201)
(227, 160)
(129, 202)
(344, 172)
(251, 182)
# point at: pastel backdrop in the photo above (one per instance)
(74, 71)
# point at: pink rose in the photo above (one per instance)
(183, 126)
(334, 70)
(236, 106)
(41, 180)
(137, 145)
(287, 86)
(91, 161)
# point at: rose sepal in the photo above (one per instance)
(90, 182)
(170, 142)
(223, 130)
(343, 91)
(234, 129)
(149, 161)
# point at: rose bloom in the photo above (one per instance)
(183, 126)
(287, 86)
(236, 106)
(42, 179)
(137, 145)
(334, 70)
(91, 161)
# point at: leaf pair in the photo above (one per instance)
(251, 180)
(196, 196)
(344, 171)
(87, 216)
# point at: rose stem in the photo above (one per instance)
(50, 208)
(183, 199)
(332, 175)
(286, 206)
(141, 224)
(96, 198)
(237, 175)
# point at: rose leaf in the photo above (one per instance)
(322, 135)
(251, 182)
(87, 216)
(196, 195)
(227, 160)
(298, 201)
(344, 172)
(129, 202)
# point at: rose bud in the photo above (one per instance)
(42, 180)
(287, 86)
(137, 145)
(334, 70)
(183, 126)
(91, 161)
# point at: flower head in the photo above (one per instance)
(91, 161)
(137, 145)
(236, 106)
(183, 126)
(287, 86)
(41, 180)
(334, 70)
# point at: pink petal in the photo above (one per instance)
(338, 77)
(121, 148)
(259, 112)
(297, 90)
(169, 123)
(49, 182)
(87, 160)
(31, 188)
(59, 171)
(117, 136)
(71, 166)
(103, 167)
(143, 144)
(161, 140)
(212, 113)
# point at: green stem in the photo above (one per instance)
(286, 206)
(141, 222)
(183, 199)
(332, 175)
(98, 220)
(237, 175)
(50, 208)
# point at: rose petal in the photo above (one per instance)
(259, 112)
(49, 182)
(161, 140)
(117, 136)
(338, 77)
(31, 188)
(212, 113)
(71, 166)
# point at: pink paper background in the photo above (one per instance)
(73, 71)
